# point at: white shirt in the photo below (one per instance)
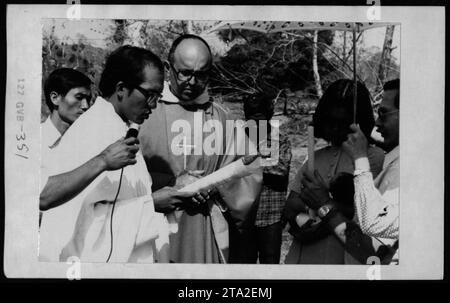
(50, 138)
(377, 201)
(80, 227)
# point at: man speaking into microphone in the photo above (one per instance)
(113, 218)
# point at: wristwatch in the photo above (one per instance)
(329, 214)
(324, 210)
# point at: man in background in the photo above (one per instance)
(266, 234)
(377, 201)
(67, 95)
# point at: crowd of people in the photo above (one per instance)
(110, 197)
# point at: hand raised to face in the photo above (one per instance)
(356, 144)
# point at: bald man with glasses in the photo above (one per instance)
(211, 225)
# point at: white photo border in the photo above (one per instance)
(421, 251)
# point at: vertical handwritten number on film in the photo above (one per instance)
(21, 86)
(20, 116)
(21, 137)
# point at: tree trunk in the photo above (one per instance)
(315, 66)
(51, 39)
(344, 49)
(386, 54)
(137, 35)
(187, 27)
(190, 27)
(143, 34)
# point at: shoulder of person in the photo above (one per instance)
(376, 159)
(326, 152)
(96, 126)
(375, 153)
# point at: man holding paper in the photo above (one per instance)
(86, 226)
(200, 231)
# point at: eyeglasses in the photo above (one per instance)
(150, 96)
(382, 115)
(186, 75)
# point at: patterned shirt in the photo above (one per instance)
(377, 201)
(272, 199)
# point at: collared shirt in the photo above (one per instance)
(80, 227)
(50, 138)
(377, 201)
(49, 134)
(168, 96)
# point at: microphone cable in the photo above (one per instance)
(111, 217)
(132, 132)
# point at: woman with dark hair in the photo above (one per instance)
(313, 243)
(334, 113)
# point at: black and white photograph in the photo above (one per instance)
(166, 142)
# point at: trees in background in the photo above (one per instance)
(72, 52)
(385, 59)
(375, 65)
(271, 65)
(156, 35)
(292, 68)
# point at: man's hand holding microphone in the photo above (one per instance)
(120, 154)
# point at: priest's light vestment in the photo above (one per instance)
(201, 235)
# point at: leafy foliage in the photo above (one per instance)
(266, 64)
(248, 65)
(78, 54)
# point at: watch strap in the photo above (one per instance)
(333, 219)
(359, 172)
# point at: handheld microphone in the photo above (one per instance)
(133, 130)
